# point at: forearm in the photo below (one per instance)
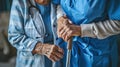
(100, 29)
(22, 42)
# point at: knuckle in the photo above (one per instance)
(51, 51)
(67, 25)
(50, 56)
(71, 31)
(69, 35)
(68, 28)
(53, 46)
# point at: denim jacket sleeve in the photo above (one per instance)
(16, 31)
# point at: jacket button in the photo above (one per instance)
(54, 25)
(56, 38)
(46, 35)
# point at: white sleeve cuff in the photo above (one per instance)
(87, 30)
(60, 12)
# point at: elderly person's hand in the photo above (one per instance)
(53, 52)
(66, 29)
(43, 2)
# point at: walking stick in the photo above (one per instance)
(69, 48)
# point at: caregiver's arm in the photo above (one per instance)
(100, 30)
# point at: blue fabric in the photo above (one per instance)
(114, 9)
(92, 52)
(45, 12)
(56, 2)
(83, 11)
(87, 11)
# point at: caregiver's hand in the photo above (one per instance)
(66, 29)
(53, 52)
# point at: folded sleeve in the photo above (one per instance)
(100, 30)
(60, 12)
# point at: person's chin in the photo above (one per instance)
(46, 3)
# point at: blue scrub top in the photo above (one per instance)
(86, 51)
(45, 13)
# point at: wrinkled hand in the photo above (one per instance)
(66, 29)
(53, 52)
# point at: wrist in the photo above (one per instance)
(79, 30)
(38, 48)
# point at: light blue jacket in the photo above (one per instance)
(25, 30)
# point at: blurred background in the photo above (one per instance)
(7, 52)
